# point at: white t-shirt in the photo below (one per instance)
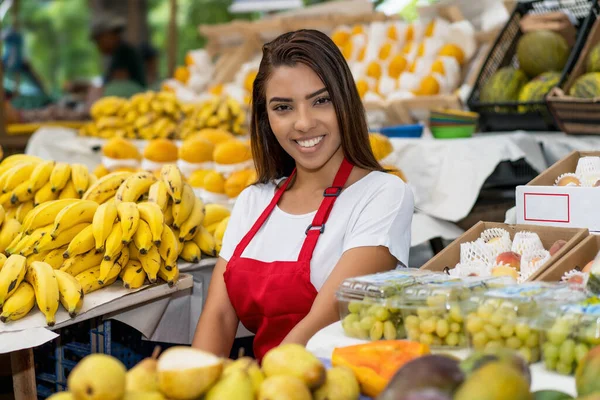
(377, 210)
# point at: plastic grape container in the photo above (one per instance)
(568, 333)
(501, 318)
(365, 303)
(433, 313)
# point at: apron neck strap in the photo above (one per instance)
(330, 195)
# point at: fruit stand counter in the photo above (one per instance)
(20, 343)
(332, 336)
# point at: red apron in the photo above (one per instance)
(270, 298)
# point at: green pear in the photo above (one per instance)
(235, 385)
(294, 360)
(98, 377)
(284, 387)
(61, 396)
(143, 377)
(340, 384)
(248, 365)
(143, 396)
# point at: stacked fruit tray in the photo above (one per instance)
(521, 69)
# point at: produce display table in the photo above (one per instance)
(332, 336)
(20, 343)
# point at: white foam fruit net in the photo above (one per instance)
(476, 253)
(526, 242)
(531, 262)
(560, 177)
(475, 269)
(576, 277)
(588, 165)
(497, 240)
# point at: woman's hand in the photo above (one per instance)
(324, 311)
(218, 322)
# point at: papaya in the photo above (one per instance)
(375, 363)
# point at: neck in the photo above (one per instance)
(322, 178)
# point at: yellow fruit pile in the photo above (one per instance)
(288, 371)
(144, 116)
(220, 112)
(132, 226)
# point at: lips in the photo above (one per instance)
(308, 143)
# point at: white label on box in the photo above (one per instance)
(546, 207)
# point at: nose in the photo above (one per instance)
(305, 121)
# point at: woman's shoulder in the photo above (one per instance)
(257, 192)
(377, 181)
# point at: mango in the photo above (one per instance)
(494, 381)
(510, 357)
(551, 395)
(586, 375)
(427, 372)
(294, 360)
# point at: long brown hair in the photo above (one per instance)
(318, 52)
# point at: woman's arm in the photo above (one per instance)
(218, 322)
(324, 311)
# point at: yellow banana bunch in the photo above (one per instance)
(45, 194)
(169, 274)
(183, 209)
(219, 233)
(82, 211)
(173, 180)
(158, 193)
(205, 241)
(105, 187)
(169, 247)
(43, 279)
(11, 275)
(102, 223)
(191, 252)
(17, 174)
(114, 244)
(152, 214)
(82, 262)
(151, 263)
(70, 292)
(107, 267)
(190, 225)
(19, 304)
(213, 214)
(135, 186)
(20, 195)
(133, 275)
(54, 257)
(40, 176)
(23, 210)
(81, 243)
(69, 191)
(10, 230)
(44, 214)
(143, 237)
(129, 216)
(63, 238)
(89, 279)
(61, 173)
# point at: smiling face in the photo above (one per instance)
(302, 116)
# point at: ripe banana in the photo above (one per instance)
(8, 233)
(113, 245)
(191, 252)
(19, 158)
(28, 242)
(169, 247)
(82, 211)
(19, 304)
(143, 237)
(16, 175)
(133, 275)
(151, 263)
(205, 241)
(40, 176)
(2, 214)
(11, 276)
(89, 279)
(20, 195)
(61, 173)
(81, 243)
(70, 292)
(105, 187)
(9, 213)
(41, 276)
(82, 262)
(130, 218)
(214, 213)
(219, 233)
(182, 211)
(168, 215)
(45, 194)
(107, 267)
(103, 221)
(152, 214)
(54, 257)
(169, 274)
(159, 194)
(69, 192)
(80, 177)
(47, 243)
(2, 260)
(189, 227)
(44, 214)
(135, 186)
(22, 210)
(173, 179)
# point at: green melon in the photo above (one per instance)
(537, 89)
(542, 51)
(593, 60)
(587, 86)
(504, 86)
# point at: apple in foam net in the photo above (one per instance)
(557, 246)
(510, 259)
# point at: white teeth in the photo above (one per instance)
(310, 142)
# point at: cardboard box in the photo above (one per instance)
(541, 203)
(450, 256)
(576, 258)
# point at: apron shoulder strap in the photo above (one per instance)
(330, 195)
(263, 217)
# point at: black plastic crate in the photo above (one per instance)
(503, 54)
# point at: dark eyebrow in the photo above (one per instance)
(286, 100)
